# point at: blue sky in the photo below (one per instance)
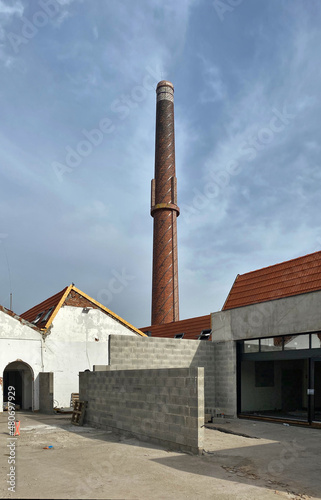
(77, 100)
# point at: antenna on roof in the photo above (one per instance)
(10, 301)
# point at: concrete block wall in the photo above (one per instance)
(147, 352)
(225, 378)
(163, 406)
(46, 398)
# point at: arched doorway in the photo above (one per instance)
(20, 376)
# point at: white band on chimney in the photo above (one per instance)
(165, 93)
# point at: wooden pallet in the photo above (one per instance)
(78, 413)
(74, 398)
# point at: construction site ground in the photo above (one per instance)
(274, 462)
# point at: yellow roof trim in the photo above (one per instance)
(114, 315)
(60, 303)
(93, 301)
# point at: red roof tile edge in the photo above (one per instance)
(274, 282)
(192, 328)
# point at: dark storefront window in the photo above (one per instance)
(280, 377)
(264, 373)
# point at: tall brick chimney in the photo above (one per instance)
(164, 209)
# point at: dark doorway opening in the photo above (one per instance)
(18, 380)
(275, 389)
(13, 378)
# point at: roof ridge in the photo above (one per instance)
(56, 301)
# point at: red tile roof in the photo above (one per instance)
(192, 328)
(293, 277)
(43, 314)
(44, 308)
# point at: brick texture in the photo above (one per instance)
(76, 300)
(164, 209)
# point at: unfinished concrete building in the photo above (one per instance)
(267, 344)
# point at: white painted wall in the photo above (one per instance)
(71, 347)
(76, 342)
(19, 342)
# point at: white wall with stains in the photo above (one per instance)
(21, 344)
(76, 341)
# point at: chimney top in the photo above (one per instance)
(164, 83)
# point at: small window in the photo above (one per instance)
(46, 316)
(271, 344)
(293, 342)
(316, 341)
(205, 334)
(35, 321)
(251, 346)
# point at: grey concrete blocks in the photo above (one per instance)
(154, 353)
(225, 377)
(166, 410)
(46, 399)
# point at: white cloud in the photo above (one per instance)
(7, 14)
(58, 21)
(258, 60)
(68, 2)
(214, 88)
(8, 10)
